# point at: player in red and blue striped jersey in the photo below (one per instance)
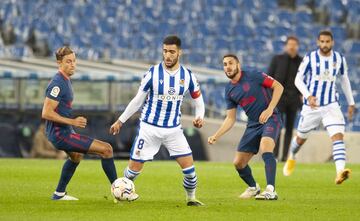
(251, 90)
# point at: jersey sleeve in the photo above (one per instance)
(146, 82)
(54, 91)
(230, 104)
(263, 79)
(194, 87)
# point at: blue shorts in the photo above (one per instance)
(69, 141)
(250, 141)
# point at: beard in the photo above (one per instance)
(325, 50)
(172, 64)
(233, 74)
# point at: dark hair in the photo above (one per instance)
(292, 37)
(172, 40)
(231, 56)
(325, 32)
(62, 52)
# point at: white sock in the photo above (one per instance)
(59, 193)
(190, 182)
(294, 148)
(339, 155)
(130, 174)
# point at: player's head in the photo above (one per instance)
(325, 41)
(171, 50)
(231, 65)
(66, 59)
(292, 46)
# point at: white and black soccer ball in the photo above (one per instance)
(123, 189)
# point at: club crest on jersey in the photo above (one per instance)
(246, 86)
(182, 82)
(55, 91)
(161, 81)
(171, 91)
(334, 64)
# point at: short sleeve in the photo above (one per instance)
(194, 87)
(54, 91)
(230, 104)
(146, 82)
(263, 79)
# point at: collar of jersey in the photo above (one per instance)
(64, 76)
(233, 83)
(171, 73)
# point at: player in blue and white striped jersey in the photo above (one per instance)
(316, 80)
(162, 89)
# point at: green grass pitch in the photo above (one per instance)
(309, 194)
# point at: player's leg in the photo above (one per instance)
(67, 172)
(105, 151)
(241, 161)
(190, 179)
(267, 145)
(334, 123)
(270, 133)
(133, 169)
(179, 149)
(247, 148)
(339, 156)
(146, 145)
(309, 120)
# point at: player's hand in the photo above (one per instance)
(198, 122)
(351, 111)
(115, 128)
(212, 139)
(80, 122)
(265, 115)
(312, 102)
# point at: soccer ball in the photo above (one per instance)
(123, 189)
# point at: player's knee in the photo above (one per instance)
(76, 157)
(338, 136)
(107, 151)
(239, 163)
(300, 141)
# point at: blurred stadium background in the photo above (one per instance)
(116, 41)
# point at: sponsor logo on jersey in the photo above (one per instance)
(168, 97)
(171, 91)
(55, 91)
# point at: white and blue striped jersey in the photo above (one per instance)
(319, 75)
(165, 95)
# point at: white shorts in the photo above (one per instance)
(330, 115)
(150, 138)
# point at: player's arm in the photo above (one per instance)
(195, 93)
(49, 113)
(199, 112)
(346, 87)
(299, 82)
(276, 95)
(225, 127)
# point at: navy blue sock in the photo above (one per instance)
(246, 175)
(109, 168)
(67, 172)
(270, 167)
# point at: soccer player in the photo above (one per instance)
(316, 81)
(163, 88)
(57, 112)
(252, 91)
